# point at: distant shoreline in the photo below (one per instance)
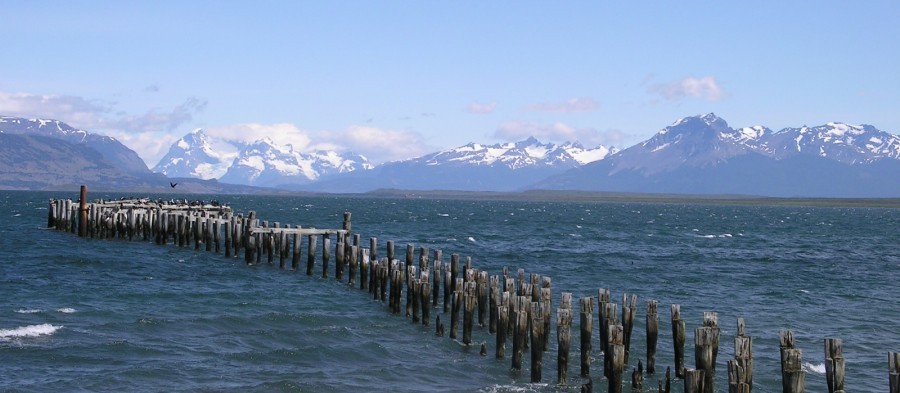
(530, 195)
(616, 197)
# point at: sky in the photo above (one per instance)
(394, 80)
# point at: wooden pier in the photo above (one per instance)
(512, 308)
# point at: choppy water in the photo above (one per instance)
(89, 315)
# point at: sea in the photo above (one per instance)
(88, 315)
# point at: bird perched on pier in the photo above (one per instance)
(173, 184)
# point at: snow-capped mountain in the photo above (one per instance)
(194, 156)
(261, 163)
(702, 154)
(523, 154)
(113, 151)
(472, 167)
(264, 163)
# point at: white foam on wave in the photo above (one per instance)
(29, 331)
(17, 215)
(804, 291)
(28, 311)
(443, 215)
(817, 368)
(471, 239)
(66, 310)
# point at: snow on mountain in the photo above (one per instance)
(515, 155)
(264, 163)
(702, 154)
(109, 148)
(194, 156)
(841, 142)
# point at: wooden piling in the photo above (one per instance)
(693, 381)
(616, 356)
(354, 265)
(502, 323)
(521, 332)
(629, 307)
(834, 365)
(437, 277)
(740, 369)
(704, 339)
(82, 212)
(894, 372)
(326, 249)
(603, 335)
(454, 312)
(537, 335)
(469, 294)
(310, 253)
(587, 304)
(791, 370)
(563, 341)
(652, 325)
(678, 327)
(339, 259)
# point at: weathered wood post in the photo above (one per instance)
(791, 370)
(410, 255)
(563, 338)
(587, 315)
(609, 320)
(628, 310)
(326, 249)
(469, 295)
(616, 355)
(481, 282)
(652, 335)
(82, 212)
(704, 337)
(228, 245)
(521, 333)
(454, 312)
(537, 335)
(364, 262)
(437, 277)
(894, 371)
(390, 256)
(693, 380)
(339, 259)
(834, 365)
(740, 369)
(354, 265)
(426, 298)
(310, 253)
(678, 328)
(603, 335)
(502, 323)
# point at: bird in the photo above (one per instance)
(173, 184)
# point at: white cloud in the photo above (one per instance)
(481, 108)
(280, 133)
(378, 145)
(71, 109)
(147, 134)
(572, 105)
(557, 132)
(706, 88)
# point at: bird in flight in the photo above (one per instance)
(173, 184)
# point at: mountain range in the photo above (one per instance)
(695, 155)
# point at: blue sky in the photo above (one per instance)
(394, 80)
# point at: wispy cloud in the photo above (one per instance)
(280, 133)
(481, 108)
(154, 88)
(71, 109)
(557, 132)
(147, 133)
(706, 88)
(572, 105)
(378, 145)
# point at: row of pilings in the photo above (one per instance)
(514, 308)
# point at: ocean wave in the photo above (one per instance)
(65, 310)
(29, 331)
(28, 311)
(815, 368)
